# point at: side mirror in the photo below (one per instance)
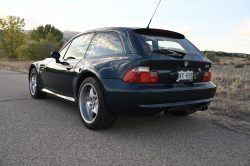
(55, 55)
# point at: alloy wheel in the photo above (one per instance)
(88, 103)
(33, 83)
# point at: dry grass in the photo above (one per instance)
(233, 91)
(232, 61)
(17, 65)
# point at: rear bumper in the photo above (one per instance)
(178, 104)
(148, 99)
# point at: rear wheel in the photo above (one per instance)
(92, 106)
(34, 85)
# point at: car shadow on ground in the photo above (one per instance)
(129, 124)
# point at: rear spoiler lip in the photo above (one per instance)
(159, 33)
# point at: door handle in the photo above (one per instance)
(69, 67)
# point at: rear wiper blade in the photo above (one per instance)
(169, 51)
(179, 52)
(163, 51)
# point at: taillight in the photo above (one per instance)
(207, 76)
(141, 74)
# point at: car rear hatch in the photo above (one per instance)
(181, 67)
(173, 56)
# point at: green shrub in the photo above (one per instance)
(37, 50)
(248, 57)
(211, 55)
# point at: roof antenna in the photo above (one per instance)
(153, 15)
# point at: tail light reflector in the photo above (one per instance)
(207, 76)
(141, 74)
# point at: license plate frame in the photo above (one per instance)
(185, 75)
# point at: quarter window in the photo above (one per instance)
(79, 46)
(105, 44)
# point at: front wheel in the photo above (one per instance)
(93, 110)
(34, 85)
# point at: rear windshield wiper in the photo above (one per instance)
(169, 51)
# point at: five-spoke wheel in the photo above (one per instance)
(34, 85)
(92, 106)
(89, 102)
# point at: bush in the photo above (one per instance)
(239, 65)
(248, 57)
(37, 50)
(211, 55)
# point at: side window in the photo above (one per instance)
(62, 52)
(105, 44)
(79, 46)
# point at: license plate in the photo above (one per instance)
(185, 75)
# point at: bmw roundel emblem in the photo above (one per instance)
(186, 64)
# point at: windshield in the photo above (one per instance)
(155, 43)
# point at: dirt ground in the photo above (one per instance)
(233, 91)
(16, 65)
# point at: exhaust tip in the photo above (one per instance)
(167, 111)
(205, 107)
(202, 108)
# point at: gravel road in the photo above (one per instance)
(49, 132)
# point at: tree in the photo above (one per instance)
(211, 55)
(11, 34)
(35, 50)
(50, 37)
(42, 32)
(248, 57)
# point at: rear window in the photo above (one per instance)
(153, 43)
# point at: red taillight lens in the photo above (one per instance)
(141, 74)
(207, 76)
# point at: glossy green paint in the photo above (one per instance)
(126, 98)
(121, 97)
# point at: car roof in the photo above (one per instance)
(111, 29)
(152, 31)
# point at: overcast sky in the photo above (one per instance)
(220, 25)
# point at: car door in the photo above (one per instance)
(59, 75)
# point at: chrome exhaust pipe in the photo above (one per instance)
(202, 108)
(167, 111)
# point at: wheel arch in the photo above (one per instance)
(31, 67)
(82, 77)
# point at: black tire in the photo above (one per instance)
(183, 112)
(93, 109)
(34, 90)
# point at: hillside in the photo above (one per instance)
(67, 35)
(227, 54)
(239, 54)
